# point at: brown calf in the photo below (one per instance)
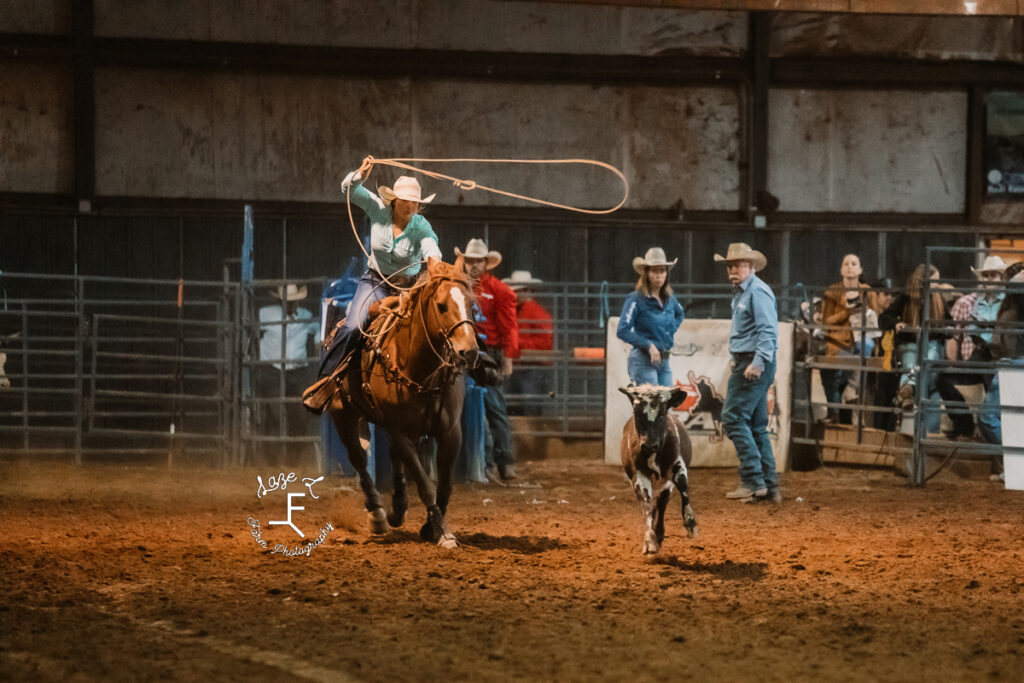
(656, 451)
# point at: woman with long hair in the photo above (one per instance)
(905, 316)
(650, 317)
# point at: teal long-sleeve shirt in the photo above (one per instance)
(390, 254)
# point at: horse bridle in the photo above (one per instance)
(446, 333)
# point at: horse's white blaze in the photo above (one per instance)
(460, 302)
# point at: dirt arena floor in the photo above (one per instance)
(144, 573)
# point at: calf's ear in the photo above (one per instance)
(625, 390)
(676, 396)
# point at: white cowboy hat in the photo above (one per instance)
(992, 264)
(290, 293)
(655, 256)
(520, 279)
(740, 251)
(477, 248)
(407, 188)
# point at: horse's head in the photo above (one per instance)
(449, 310)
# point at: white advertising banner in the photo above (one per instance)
(701, 365)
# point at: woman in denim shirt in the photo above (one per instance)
(649, 320)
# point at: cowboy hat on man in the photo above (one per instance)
(290, 293)
(477, 248)
(407, 188)
(992, 264)
(654, 257)
(521, 279)
(740, 251)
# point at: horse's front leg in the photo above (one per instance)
(434, 528)
(355, 436)
(399, 496)
(448, 446)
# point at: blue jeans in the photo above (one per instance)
(370, 288)
(745, 419)
(906, 354)
(643, 371)
(834, 381)
(990, 416)
(499, 432)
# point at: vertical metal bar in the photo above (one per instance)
(922, 376)
(84, 103)
(25, 375)
(784, 258)
(760, 77)
(881, 265)
(83, 330)
(975, 182)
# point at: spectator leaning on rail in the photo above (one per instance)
(1007, 345)
(650, 317)
(972, 344)
(905, 316)
(879, 298)
(285, 332)
(843, 302)
(753, 341)
(400, 240)
(535, 334)
(497, 325)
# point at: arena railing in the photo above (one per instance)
(102, 366)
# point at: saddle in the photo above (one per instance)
(323, 394)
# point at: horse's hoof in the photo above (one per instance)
(691, 533)
(650, 548)
(378, 521)
(396, 519)
(448, 542)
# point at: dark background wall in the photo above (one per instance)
(134, 132)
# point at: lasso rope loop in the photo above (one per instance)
(466, 184)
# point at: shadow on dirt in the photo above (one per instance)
(527, 545)
(728, 570)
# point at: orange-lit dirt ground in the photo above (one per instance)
(143, 573)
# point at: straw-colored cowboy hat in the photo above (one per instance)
(290, 293)
(740, 251)
(992, 264)
(407, 188)
(655, 256)
(477, 248)
(520, 279)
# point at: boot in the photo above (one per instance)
(316, 398)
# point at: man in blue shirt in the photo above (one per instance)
(753, 340)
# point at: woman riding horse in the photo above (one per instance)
(400, 239)
(409, 381)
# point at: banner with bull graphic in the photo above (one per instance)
(701, 365)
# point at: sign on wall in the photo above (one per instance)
(1004, 144)
(701, 365)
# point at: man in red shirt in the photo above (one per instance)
(536, 333)
(500, 331)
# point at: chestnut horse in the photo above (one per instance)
(410, 382)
